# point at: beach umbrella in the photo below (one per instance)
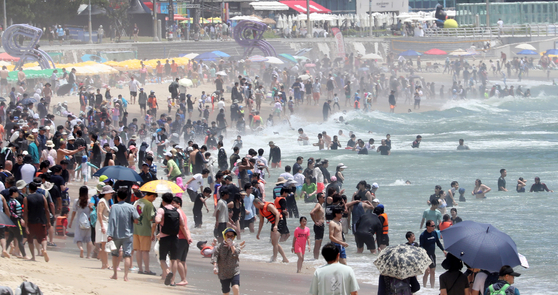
(185, 82)
(257, 58)
(481, 245)
(525, 46)
(119, 173)
(459, 52)
(6, 221)
(28, 100)
(161, 187)
(207, 56)
(268, 21)
(274, 60)
(287, 57)
(303, 51)
(371, 56)
(220, 53)
(527, 52)
(410, 52)
(552, 52)
(310, 65)
(435, 51)
(64, 89)
(189, 55)
(402, 261)
(300, 57)
(222, 73)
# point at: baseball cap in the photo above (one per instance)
(375, 185)
(507, 270)
(200, 244)
(376, 201)
(168, 154)
(380, 206)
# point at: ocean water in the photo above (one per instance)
(518, 134)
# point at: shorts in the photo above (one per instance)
(342, 253)
(143, 106)
(168, 245)
(316, 95)
(133, 93)
(247, 222)
(319, 231)
(383, 240)
(298, 248)
(417, 102)
(126, 245)
(361, 240)
(282, 227)
(142, 243)
(2, 233)
(433, 258)
(3, 82)
(37, 231)
(320, 187)
(218, 232)
(60, 38)
(228, 283)
(183, 248)
(275, 165)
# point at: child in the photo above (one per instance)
(291, 104)
(226, 263)
(84, 169)
(206, 113)
(62, 222)
(300, 239)
(205, 250)
(198, 205)
(410, 236)
(462, 195)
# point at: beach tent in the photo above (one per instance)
(410, 53)
(435, 51)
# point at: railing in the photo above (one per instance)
(550, 30)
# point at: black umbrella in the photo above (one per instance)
(28, 100)
(5, 220)
(119, 173)
(64, 89)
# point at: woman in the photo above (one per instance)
(480, 190)
(101, 227)
(453, 281)
(143, 74)
(95, 152)
(49, 153)
(339, 174)
(82, 233)
(243, 168)
(521, 184)
(238, 212)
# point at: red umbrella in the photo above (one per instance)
(435, 51)
(7, 57)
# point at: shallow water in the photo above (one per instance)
(517, 134)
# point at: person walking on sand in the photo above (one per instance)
(318, 216)
(184, 241)
(144, 231)
(269, 212)
(300, 239)
(101, 226)
(36, 217)
(333, 278)
(82, 234)
(226, 263)
(120, 230)
(428, 240)
(336, 234)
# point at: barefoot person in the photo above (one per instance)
(120, 230)
(226, 264)
(318, 216)
(269, 212)
(36, 218)
(184, 241)
(143, 231)
(82, 233)
(336, 234)
(300, 239)
(101, 226)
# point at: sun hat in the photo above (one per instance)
(20, 184)
(31, 137)
(49, 144)
(375, 185)
(100, 186)
(107, 189)
(47, 185)
(280, 180)
(341, 166)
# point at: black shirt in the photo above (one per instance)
(198, 165)
(296, 168)
(363, 151)
(120, 156)
(36, 209)
(275, 154)
(384, 150)
(147, 177)
(416, 144)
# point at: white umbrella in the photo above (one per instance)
(185, 82)
(273, 60)
(222, 73)
(371, 56)
(525, 46)
(459, 52)
(191, 55)
(304, 77)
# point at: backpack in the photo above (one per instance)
(398, 287)
(490, 279)
(15, 209)
(502, 290)
(171, 224)
(84, 221)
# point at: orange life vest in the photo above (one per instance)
(205, 248)
(60, 225)
(385, 226)
(278, 206)
(267, 214)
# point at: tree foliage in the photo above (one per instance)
(41, 12)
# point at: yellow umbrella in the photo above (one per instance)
(161, 186)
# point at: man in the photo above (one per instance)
(225, 263)
(33, 150)
(318, 216)
(432, 214)
(173, 87)
(506, 277)
(336, 233)
(122, 153)
(133, 85)
(333, 278)
(142, 101)
(502, 180)
(462, 147)
(36, 217)
(366, 224)
(392, 101)
(234, 157)
(539, 186)
(144, 231)
(269, 212)
(62, 152)
(195, 183)
(416, 143)
(146, 175)
(384, 149)
(122, 216)
(171, 223)
(221, 215)
(326, 109)
(428, 240)
(274, 155)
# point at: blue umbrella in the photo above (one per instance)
(28, 100)
(220, 53)
(92, 57)
(552, 51)
(410, 53)
(527, 52)
(119, 173)
(481, 245)
(207, 56)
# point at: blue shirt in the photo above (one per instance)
(249, 206)
(121, 220)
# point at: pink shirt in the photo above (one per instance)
(302, 236)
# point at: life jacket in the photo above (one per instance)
(60, 225)
(267, 214)
(277, 205)
(205, 248)
(385, 226)
(501, 291)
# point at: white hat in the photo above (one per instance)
(376, 201)
(341, 166)
(190, 148)
(168, 154)
(375, 185)
(114, 149)
(36, 116)
(71, 137)
(35, 130)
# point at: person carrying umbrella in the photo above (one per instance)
(428, 240)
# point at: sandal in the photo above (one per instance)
(168, 279)
(151, 273)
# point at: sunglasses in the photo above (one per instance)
(431, 225)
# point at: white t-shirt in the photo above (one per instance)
(319, 176)
(27, 172)
(334, 279)
(299, 178)
(286, 175)
(478, 284)
(134, 85)
(196, 183)
(500, 24)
